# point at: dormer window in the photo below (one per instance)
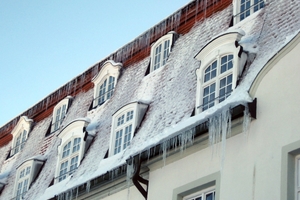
(20, 134)
(59, 113)
(26, 173)
(222, 61)
(244, 8)
(74, 143)
(105, 82)
(124, 123)
(160, 51)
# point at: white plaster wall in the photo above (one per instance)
(126, 194)
(252, 166)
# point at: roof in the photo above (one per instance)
(170, 92)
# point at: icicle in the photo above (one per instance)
(164, 148)
(246, 120)
(76, 192)
(219, 130)
(88, 186)
(129, 174)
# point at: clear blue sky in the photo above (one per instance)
(45, 44)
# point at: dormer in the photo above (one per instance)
(124, 124)
(26, 173)
(244, 8)
(59, 113)
(75, 141)
(160, 50)
(20, 134)
(221, 64)
(105, 82)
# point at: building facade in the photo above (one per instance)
(204, 105)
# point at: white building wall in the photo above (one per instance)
(252, 167)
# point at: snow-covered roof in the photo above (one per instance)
(170, 92)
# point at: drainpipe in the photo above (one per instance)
(136, 178)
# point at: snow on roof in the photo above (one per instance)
(4, 177)
(170, 92)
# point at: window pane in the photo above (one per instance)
(127, 136)
(28, 170)
(210, 72)
(19, 190)
(63, 171)
(111, 85)
(129, 115)
(208, 96)
(118, 141)
(121, 120)
(76, 144)
(166, 51)
(66, 150)
(22, 173)
(63, 113)
(157, 57)
(226, 63)
(74, 164)
(25, 186)
(102, 92)
(225, 87)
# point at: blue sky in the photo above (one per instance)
(45, 44)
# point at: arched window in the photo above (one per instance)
(222, 62)
(74, 142)
(26, 174)
(59, 113)
(160, 51)
(217, 81)
(69, 158)
(20, 134)
(105, 82)
(124, 123)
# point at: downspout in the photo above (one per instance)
(136, 178)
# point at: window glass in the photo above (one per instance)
(74, 164)
(248, 7)
(76, 144)
(118, 141)
(217, 81)
(66, 150)
(123, 131)
(63, 170)
(160, 54)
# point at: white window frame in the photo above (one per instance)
(254, 6)
(160, 57)
(72, 131)
(219, 47)
(108, 69)
(25, 174)
(137, 111)
(20, 134)
(59, 113)
(201, 194)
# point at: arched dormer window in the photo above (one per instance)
(222, 61)
(244, 8)
(20, 134)
(105, 82)
(59, 113)
(26, 174)
(74, 143)
(160, 51)
(124, 123)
